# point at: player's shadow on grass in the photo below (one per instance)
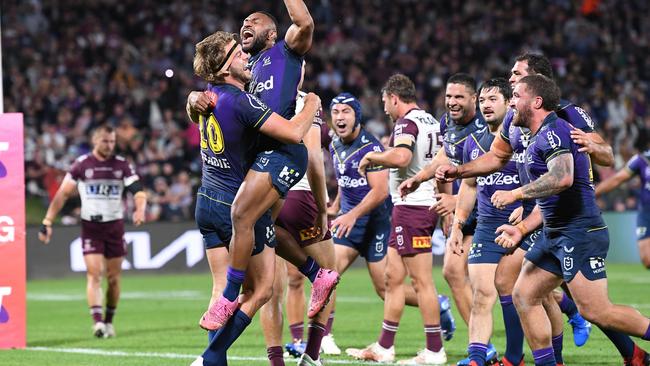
(120, 334)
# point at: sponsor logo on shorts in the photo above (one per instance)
(421, 242)
(288, 176)
(475, 250)
(379, 244)
(398, 229)
(400, 240)
(309, 233)
(88, 245)
(640, 231)
(597, 264)
(270, 233)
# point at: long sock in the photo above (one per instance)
(514, 333)
(330, 323)
(622, 342)
(646, 336)
(275, 356)
(96, 312)
(433, 336)
(211, 335)
(297, 331)
(234, 279)
(316, 333)
(544, 357)
(309, 269)
(567, 306)
(557, 347)
(110, 313)
(388, 331)
(477, 352)
(215, 354)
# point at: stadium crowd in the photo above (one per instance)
(70, 68)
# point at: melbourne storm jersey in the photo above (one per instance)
(577, 204)
(227, 137)
(505, 179)
(276, 75)
(454, 136)
(640, 165)
(424, 131)
(518, 137)
(346, 157)
(100, 185)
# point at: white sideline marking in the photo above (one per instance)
(99, 352)
(137, 295)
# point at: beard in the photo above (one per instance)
(523, 117)
(240, 74)
(259, 43)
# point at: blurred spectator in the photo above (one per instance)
(69, 67)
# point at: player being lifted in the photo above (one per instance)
(101, 178)
(228, 134)
(276, 72)
(414, 143)
(637, 165)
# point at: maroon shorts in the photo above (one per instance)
(298, 215)
(105, 238)
(411, 229)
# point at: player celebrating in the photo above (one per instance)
(413, 145)
(575, 239)
(101, 177)
(276, 72)
(637, 165)
(227, 135)
(460, 121)
(302, 221)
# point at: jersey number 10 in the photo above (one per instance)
(211, 135)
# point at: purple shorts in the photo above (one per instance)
(411, 229)
(298, 215)
(105, 238)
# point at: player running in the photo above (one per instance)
(575, 239)
(227, 135)
(414, 143)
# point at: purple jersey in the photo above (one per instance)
(640, 165)
(346, 158)
(276, 75)
(518, 137)
(577, 204)
(227, 137)
(505, 179)
(100, 184)
(454, 136)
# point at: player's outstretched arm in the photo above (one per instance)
(558, 178)
(464, 206)
(300, 34)
(394, 157)
(614, 181)
(594, 145)
(292, 132)
(428, 172)
(488, 163)
(64, 192)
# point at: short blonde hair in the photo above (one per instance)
(210, 55)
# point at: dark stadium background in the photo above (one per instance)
(70, 65)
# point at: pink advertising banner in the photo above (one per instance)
(12, 232)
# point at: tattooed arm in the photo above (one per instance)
(558, 178)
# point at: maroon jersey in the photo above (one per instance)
(100, 185)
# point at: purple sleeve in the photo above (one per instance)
(555, 141)
(634, 164)
(505, 127)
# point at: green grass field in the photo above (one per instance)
(157, 323)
